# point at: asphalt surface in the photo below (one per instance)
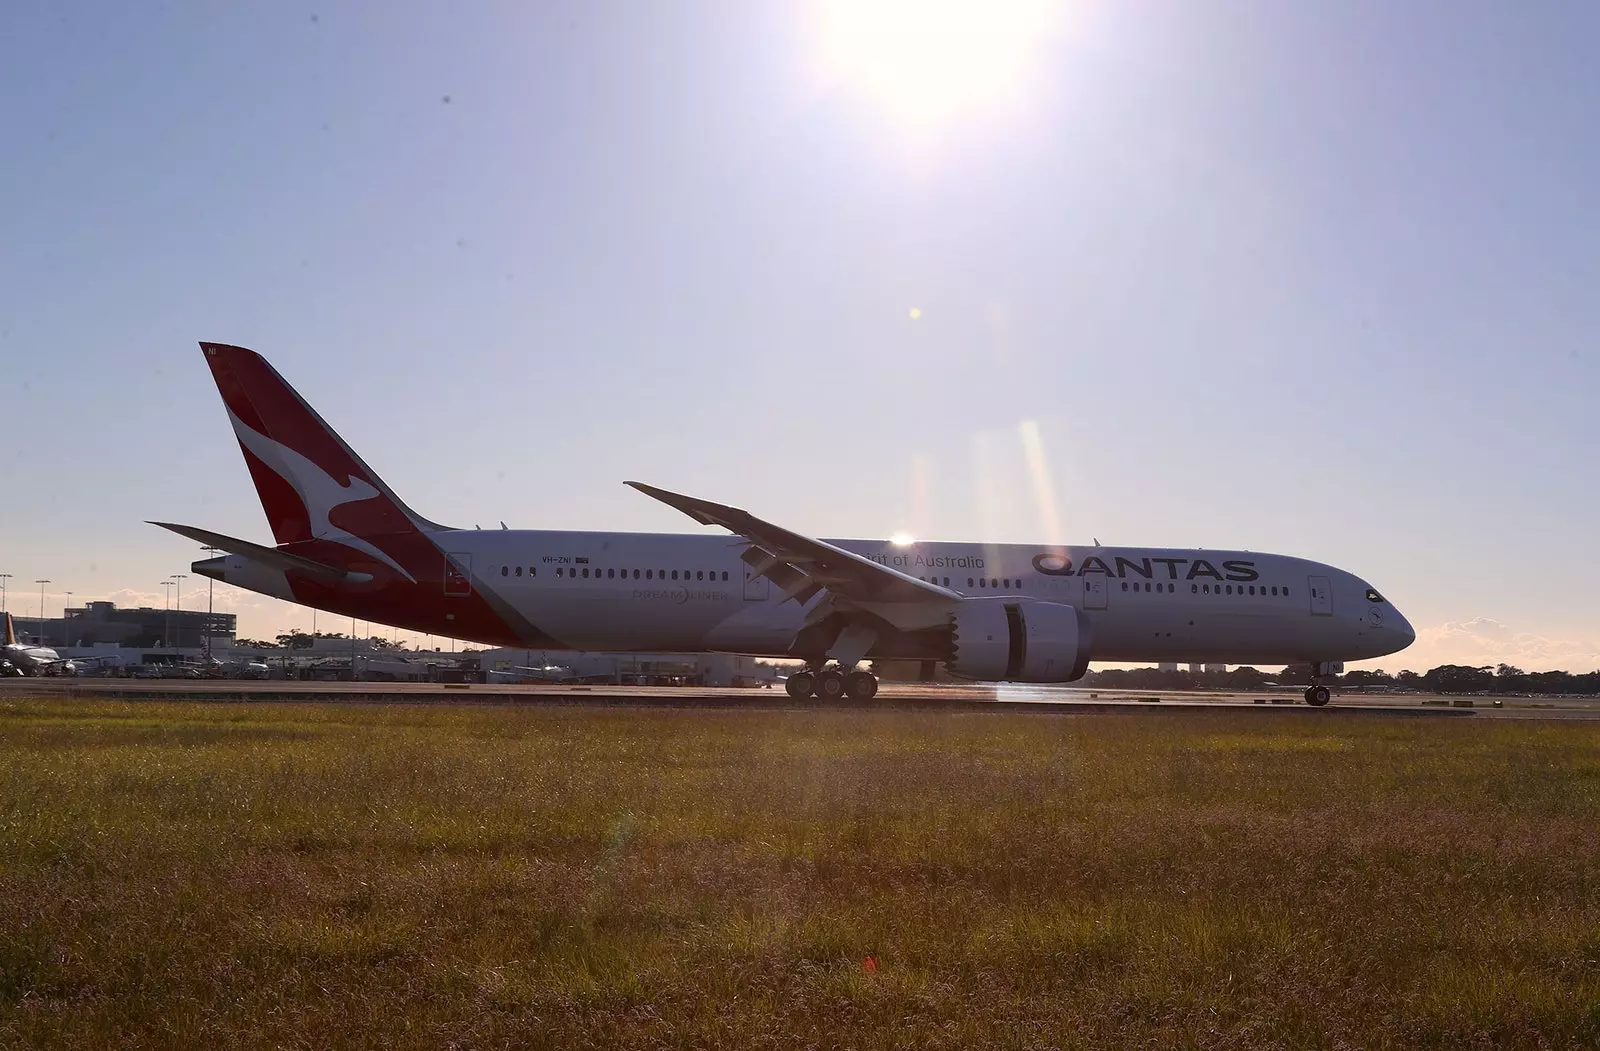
(1037, 700)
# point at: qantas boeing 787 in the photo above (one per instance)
(992, 612)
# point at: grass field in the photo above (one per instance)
(317, 876)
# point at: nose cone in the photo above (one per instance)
(1407, 632)
(1399, 629)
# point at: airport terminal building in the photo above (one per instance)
(102, 624)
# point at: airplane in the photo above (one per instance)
(1036, 613)
(19, 659)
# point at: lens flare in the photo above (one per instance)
(1044, 494)
(930, 59)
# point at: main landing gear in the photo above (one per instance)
(832, 683)
(1317, 696)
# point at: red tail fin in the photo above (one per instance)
(311, 484)
(11, 631)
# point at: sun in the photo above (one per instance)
(928, 60)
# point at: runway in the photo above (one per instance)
(1026, 700)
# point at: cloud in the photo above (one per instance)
(1482, 640)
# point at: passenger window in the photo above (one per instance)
(982, 582)
(1207, 589)
(649, 574)
(1274, 591)
(505, 571)
(611, 574)
(1194, 589)
(1285, 592)
(1124, 585)
(674, 574)
(1230, 589)
(586, 573)
(533, 571)
(724, 574)
(969, 582)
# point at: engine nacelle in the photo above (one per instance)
(1018, 640)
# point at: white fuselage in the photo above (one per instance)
(34, 660)
(674, 592)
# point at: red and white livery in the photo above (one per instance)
(344, 542)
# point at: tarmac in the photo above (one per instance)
(912, 697)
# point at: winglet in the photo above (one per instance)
(703, 511)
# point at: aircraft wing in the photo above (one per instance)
(801, 566)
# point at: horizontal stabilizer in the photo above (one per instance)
(266, 556)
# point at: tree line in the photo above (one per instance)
(1446, 678)
(300, 640)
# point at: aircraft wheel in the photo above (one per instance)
(861, 685)
(830, 686)
(800, 685)
(1317, 696)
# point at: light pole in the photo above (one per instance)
(3, 578)
(178, 579)
(209, 582)
(166, 620)
(41, 584)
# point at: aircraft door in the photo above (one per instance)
(458, 574)
(1321, 596)
(1094, 591)
(755, 587)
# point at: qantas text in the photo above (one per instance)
(1148, 568)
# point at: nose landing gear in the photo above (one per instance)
(1317, 694)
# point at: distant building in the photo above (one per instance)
(1196, 669)
(102, 623)
(1216, 668)
(1167, 666)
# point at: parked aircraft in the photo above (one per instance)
(18, 658)
(344, 542)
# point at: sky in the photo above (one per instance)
(1311, 278)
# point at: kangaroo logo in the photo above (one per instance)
(318, 490)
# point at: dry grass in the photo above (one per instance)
(325, 876)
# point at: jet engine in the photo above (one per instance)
(1018, 640)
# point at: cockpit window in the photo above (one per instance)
(1373, 596)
